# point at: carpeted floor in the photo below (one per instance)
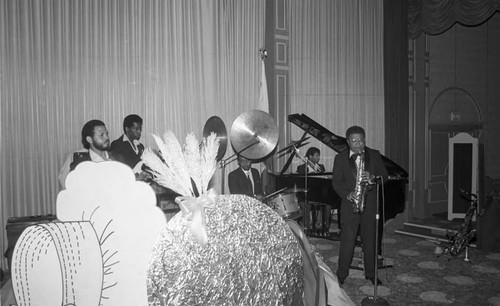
(419, 277)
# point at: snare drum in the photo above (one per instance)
(285, 204)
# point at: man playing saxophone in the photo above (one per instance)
(353, 171)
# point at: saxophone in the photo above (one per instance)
(463, 238)
(361, 185)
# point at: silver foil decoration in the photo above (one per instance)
(252, 258)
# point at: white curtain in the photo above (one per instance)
(63, 62)
(336, 74)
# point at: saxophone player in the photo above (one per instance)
(344, 183)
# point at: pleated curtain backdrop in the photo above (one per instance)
(175, 63)
(336, 60)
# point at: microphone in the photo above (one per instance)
(375, 179)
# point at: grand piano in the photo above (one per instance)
(319, 186)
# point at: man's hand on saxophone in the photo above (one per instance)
(366, 176)
(351, 196)
(370, 179)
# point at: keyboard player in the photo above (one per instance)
(311, 163)
(312, 160)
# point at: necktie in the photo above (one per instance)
(250, 182)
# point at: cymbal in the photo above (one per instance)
(254, 134)
(294, 190)
(216, 125)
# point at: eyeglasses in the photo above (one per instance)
(356, 140)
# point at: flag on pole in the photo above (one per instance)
(267, 165)
(263, 97)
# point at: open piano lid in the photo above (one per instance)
(339, 143)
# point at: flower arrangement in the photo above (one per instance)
(187, 170)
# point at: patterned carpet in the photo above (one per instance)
(419, 277)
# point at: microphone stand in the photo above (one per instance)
(306, 203)
(307, 214)
(375, 300)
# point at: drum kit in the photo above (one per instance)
(284, 202)
(254, 135)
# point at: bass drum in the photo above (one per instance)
(286, 205)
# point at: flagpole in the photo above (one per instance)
(264, 106)
(263, 95)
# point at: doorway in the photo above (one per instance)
(453, 111)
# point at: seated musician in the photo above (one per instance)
(96, 142)
(245, 179)
(127, 148)
(312, 160)
(311, 163)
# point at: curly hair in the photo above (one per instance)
(88, 130)
(354, 130)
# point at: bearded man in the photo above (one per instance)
(95, 140)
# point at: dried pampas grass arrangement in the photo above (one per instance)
(187, 170)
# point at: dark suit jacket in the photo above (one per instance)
(123, 152)
(301, 168)
(238, 183)
(344, 181)
(344, 173)
(79, 157)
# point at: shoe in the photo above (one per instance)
(371, 279)
(341, 282)
(380, 262)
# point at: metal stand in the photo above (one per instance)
(323, 232)
(223, 164)
(467, 254)
(358, 263)
(375, 300)
(307, 211)
(309, 222)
